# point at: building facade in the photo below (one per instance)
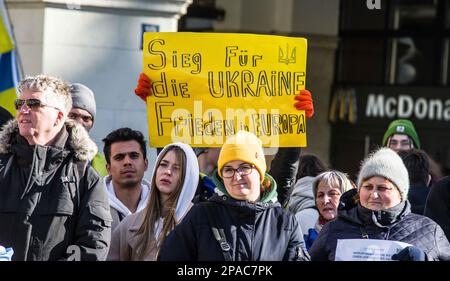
(369, 61)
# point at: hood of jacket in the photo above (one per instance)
(79, 142)
(190, 180)
(115, 203)
(269, 196)
(302, 196)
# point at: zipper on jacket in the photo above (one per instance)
(30, 176)
(364, 234)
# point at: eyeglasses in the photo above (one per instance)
(31, 103)
(243, 170)
(75, 116)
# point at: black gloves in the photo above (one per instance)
(410, 253)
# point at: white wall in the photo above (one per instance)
(102, 51)
(29, 37)
(97, 45)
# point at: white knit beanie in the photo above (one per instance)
(386, 163)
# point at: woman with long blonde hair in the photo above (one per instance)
(173, 185)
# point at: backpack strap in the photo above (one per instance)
(218, 232)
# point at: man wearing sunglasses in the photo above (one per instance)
(52, 204)
(83, 112)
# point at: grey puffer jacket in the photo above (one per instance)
(53, 206)
(397, 224)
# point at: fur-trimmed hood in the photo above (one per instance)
(79, 140)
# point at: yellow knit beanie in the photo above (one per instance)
(243, 146)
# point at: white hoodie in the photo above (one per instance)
(118, 209)
(124, 239)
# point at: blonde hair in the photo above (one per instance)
(55, 90)
(154, 208)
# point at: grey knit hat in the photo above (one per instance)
(83, 97)
(386, 163)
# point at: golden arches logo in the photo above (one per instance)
(343, 105)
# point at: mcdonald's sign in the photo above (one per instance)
(343, 106)
(372, 105)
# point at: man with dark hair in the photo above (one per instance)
(418, 165)
(126, 161)
(52, 204)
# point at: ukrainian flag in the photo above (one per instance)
(8, 64)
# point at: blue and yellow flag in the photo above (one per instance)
(8, 64)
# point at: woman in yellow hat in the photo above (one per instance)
(243, 220)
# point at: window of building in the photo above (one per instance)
(355, 50)
(405, 42)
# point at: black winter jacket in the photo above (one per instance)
(52, 207)
(438, 204)
(283, 169)
(255, 232)
(417, 197)
(397, 223)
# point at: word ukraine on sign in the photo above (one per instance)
(208, 86)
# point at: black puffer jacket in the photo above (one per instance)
(51, 206)
(397, 224)
(255, 232)
(438, 204)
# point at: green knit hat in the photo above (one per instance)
(402, 127)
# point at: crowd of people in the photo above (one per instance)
(60, 199)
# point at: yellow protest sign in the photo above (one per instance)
(207, 86)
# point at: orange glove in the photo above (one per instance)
(304, 102)
(144, 87)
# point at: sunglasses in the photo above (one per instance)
(31, 103)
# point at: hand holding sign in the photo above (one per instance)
(144, 86)
(201, 94)
(303, 99)
(304, 102)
